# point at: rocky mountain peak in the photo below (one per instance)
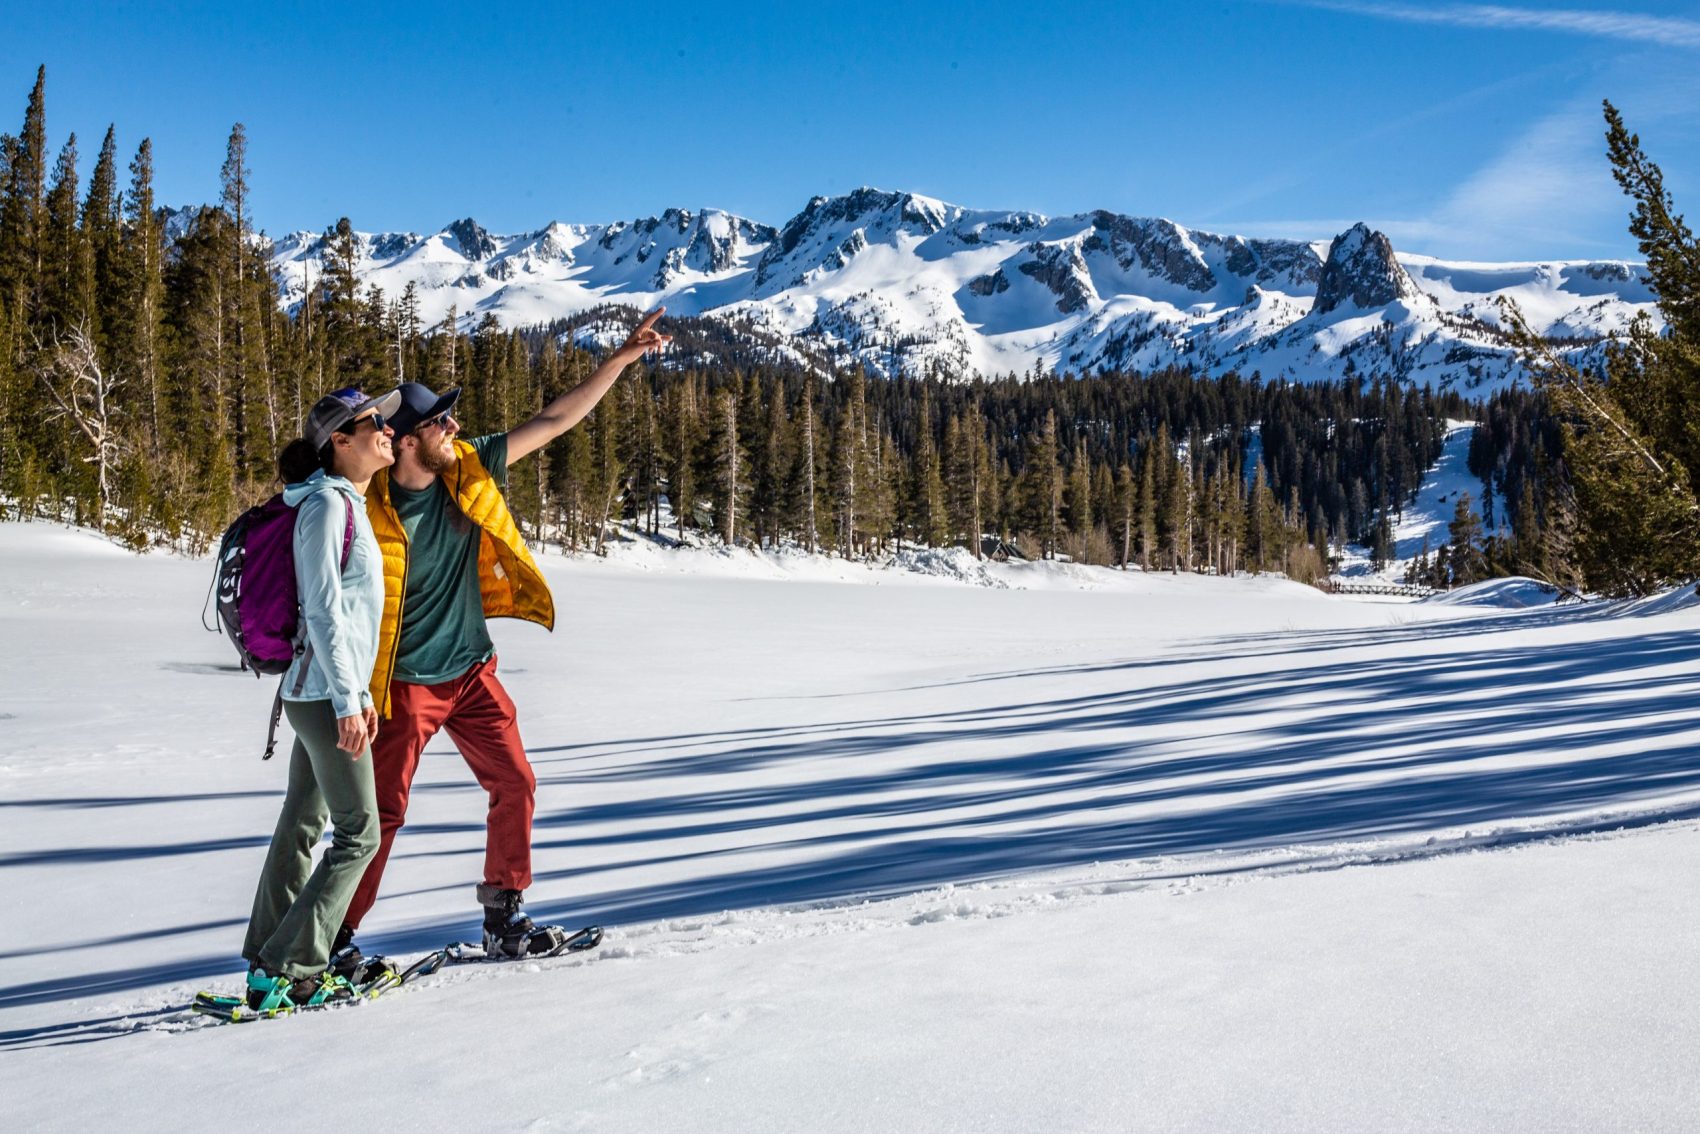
(992, 292)
(1159, 247)
(469, 236)
(862, 208)
(1362, 271)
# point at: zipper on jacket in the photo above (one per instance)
(401, 598)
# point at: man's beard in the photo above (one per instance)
(435, 459)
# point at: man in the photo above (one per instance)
(453, 557)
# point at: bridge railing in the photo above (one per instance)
(1377, 587)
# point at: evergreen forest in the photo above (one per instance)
(149, 376)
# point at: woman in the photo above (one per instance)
(340, 581)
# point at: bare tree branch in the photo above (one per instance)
(68, 365)
(1540, 355)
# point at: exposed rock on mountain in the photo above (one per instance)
(1159, 247)
(471, 239)
(1361, 270)
(900, 281)
(1062, 269)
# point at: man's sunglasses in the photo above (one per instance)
(353, 427)
(440, 421)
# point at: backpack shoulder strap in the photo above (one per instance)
(277, 701)
(347, 532)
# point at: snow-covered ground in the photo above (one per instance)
(1086, 851)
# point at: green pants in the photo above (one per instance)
(296, 916)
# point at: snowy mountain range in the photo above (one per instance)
(897, 280)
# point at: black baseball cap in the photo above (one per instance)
(419, 403)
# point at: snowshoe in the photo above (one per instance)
(269, 995)
(366, 974)
(468, 952)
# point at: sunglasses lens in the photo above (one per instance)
(353, 427)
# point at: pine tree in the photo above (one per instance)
(928, 522)
(101, 222)
(807, 459)
(772, 456)
(846, 495)
(253, 393)
(886, 481)
(1174, 525)
(606, 470)
(407, 330)
(1468, 564)
(684, 433)
(1631, 443)
(966, 475)
(1043, 487)
(348, 342)
(1673, 258)
(1146, 506)
(728, 466)
(66, 274)
(195, 359)
(23, 211)
(137, 334)
(1079, 502)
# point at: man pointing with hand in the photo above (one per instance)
(453, 557)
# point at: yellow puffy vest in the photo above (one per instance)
(509, 582)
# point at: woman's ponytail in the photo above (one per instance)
(299, 459)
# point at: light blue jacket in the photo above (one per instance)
(340, 606)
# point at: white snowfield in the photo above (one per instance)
(1087, 851)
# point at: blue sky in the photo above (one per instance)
(1462, 130)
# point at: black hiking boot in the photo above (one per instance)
(323, 988)
(357, 969)
(508, 932)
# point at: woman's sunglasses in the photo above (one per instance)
(353, 427)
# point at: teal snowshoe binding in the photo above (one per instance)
(271, 995)
(268, 994)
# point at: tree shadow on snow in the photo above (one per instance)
(1318, 738)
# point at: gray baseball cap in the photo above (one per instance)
(335, 410)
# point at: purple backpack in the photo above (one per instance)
(257, 600)
(258, 604)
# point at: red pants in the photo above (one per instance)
(478, 715)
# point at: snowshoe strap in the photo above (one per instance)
(543, 939)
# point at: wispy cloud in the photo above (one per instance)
(1549, 187)
(1277, 179)
(1667, 31)
(1548, 193)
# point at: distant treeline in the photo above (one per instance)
(1167, 470)
(148, 377)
